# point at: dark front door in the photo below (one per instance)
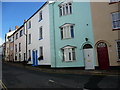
(35, 58)
(103, 57)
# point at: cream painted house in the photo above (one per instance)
(7, 44)
(106, 29)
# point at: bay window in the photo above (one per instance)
(68, 53)
(67, 31)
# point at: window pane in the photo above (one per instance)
(70, 6)
(63, 10)
(73, 52)
(29, 53)
(40, 15)
(72, 31)
(41, 53)
(61, 33)
(60, 11)
(118, 48)
(29, 24)
(66, 8)
(69, 56)
(40, 33)
(29, 38)
(67, 32)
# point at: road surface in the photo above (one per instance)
(19, 77)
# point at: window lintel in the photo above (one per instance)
(66, 24)
(68, 46)
(65, 2)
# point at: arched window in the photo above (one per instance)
(86, 46)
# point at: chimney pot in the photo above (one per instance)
(25, 21)
(16, 27)
(10, 30)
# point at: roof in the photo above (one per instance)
(30, 17)
(18, 29)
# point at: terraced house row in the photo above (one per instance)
(68, 34)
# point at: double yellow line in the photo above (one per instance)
(2, 85)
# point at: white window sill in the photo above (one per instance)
(69, 61)
(67, 38)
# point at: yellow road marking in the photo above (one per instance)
(3, 85)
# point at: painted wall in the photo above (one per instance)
(21, 40)
(81, 16)
(1, 49)
(7, 45)
(34, 31)
(102, 28)
(11, 48)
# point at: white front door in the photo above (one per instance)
(89, 58)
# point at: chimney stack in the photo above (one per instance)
(16, 27)
(25, 21)
(10, 30)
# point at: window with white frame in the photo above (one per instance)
(67, 31)
(41, 53)
(68, 53)
(118, 49)
(29, 53)
(21, 33)
(29, 39)
(29, 24)
(40, 16)
(29, 58)
(17, 36)
(19, 57)
(41, 33)
(65, 9)
(19, 47)
(16, 48)
(116, 20)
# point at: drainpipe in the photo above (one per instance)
(26, 38)
(25, 32)
(54, 33)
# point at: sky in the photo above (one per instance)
(14, 13)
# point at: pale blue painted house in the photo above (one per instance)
(71, 35)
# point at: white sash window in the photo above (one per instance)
(68, 53)
(116, 20)
(67, 31)
(65, 9)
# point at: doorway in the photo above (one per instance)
(88, 56)
(103, 58)
(35, 58)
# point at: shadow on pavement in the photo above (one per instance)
(93, 82)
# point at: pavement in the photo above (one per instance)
(16, 76)
(110, 72)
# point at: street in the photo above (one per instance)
(18, 77)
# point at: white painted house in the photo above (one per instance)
(19, 44)
(38, 37)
